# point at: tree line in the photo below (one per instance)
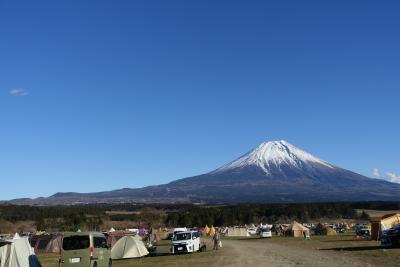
(264, 213)
(92, 216)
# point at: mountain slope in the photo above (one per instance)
(274, 171)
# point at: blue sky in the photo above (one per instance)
(99, 95)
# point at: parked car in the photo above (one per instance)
(186, 242)
(265, 232)
(341, 230)
(391, 237)
(179, 230)
(252, 230)
(363, 231)
(85, 249)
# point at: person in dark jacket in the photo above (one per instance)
(216, 238)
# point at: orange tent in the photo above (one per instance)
(206, 230)
(212, 231)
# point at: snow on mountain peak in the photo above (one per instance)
(274, 154)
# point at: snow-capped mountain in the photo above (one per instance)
(274, 171)
(274, 154)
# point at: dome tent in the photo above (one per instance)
(46, 243)
(321, 229)
(297, 230)
(128, 247)
(17, 253)
(113, 237)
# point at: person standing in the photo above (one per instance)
(216, 238)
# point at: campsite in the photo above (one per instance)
(199, 133)
(339, 250)
(297, 239)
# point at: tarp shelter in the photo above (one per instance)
(379, 224)
(17, 253)
(321, 229)
(297, 230)
(128, 247)
(234, 231)
(212, 231)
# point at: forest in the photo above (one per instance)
(99, 216)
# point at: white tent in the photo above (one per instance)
(137, 237)
(233, 231)
(17, 253)
(111, 230)
(128, 247)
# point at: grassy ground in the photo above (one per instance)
(344, 244)
(368, 251)
(198, 259)
(165, 258)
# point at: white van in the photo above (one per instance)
(265, 233)
(179, 230)
(186, 242)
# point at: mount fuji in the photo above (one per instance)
(274, 171)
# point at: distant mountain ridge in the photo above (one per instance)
(274, 171)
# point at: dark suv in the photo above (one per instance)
(391, 237)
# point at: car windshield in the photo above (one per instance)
(182, 236)
(76, 242)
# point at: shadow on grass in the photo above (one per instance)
(160, 254)
(246, 239)
(163, 254)
(354, 248)
(345, 240)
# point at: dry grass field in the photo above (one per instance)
(346, 246)
(339, 250)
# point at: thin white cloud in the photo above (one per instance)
(375, 173)
(18, 92)
(393, 177)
